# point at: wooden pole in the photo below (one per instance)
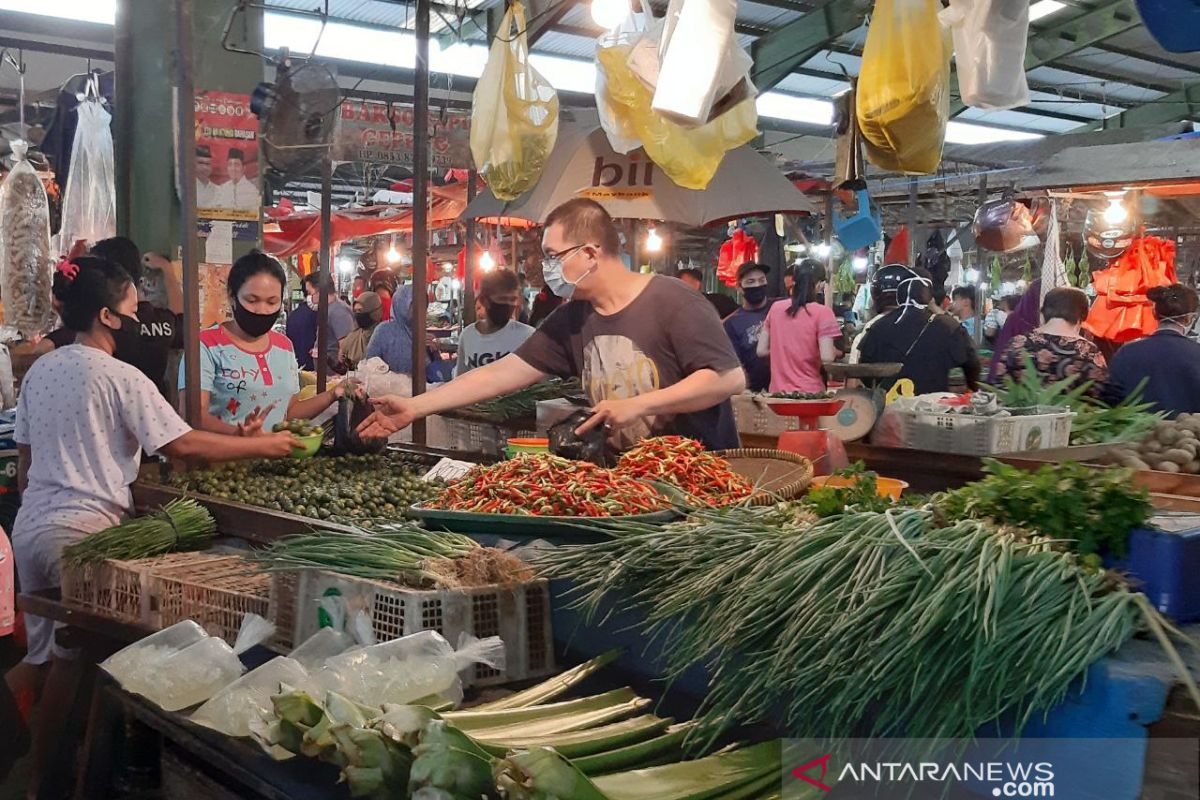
(420, 248)
(185, 154)
(324, 273)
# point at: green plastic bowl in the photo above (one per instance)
(311, 444)
(531, 446)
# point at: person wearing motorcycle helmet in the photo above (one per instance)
(928, 345)
(884, 284)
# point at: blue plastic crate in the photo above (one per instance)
(1164, 562)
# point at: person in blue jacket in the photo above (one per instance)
(392, 340)
(1168, 360)
(745, 325)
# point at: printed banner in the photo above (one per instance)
(383, 134)
(227, 165)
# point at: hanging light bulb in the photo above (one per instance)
(822, 250)
(486, 262)
(859, 263)
(654, 242)
(1116, 213)
(393, 255)
(608, 14)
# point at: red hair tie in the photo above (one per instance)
(68, 268)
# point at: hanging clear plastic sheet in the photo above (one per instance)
(90, 198)
(26, 269)
(989, 51)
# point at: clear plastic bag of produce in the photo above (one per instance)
(904, 86)
(89, 211)
(514, 113)
(26, 269)
(322, 645)
(408, 669)
(989, 51)
(689, 156)
(182, 665)
(238, 707)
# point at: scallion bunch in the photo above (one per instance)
(181, 524)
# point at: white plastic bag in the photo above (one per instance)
(700, 60)
(90, 199)
(378, 380)
(989, 50)
(408, 669)
(182, 665)
(236, 709)
(26, 269)
(622, 137)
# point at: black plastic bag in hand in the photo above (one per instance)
(592, 446)
(351, 412)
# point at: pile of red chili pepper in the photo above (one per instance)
(546, 485)
(683, 463)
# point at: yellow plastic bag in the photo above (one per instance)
(904, 86)
(688, 156)
(514, 115)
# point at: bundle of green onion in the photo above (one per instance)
(401, 553)
(181, 524)
(523, 402)
(875, 624)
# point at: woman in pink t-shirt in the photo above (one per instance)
(798, 334)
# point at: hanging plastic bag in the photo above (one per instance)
(90, 198)
(989, 51)
(617, 127)
(514, 113)
(182, 665)
(26, 270)
(688, 156)
(904, 86)
(408, 669)
(735, 251)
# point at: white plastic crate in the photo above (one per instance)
(472, 437)
(519, 613)
(1037, 428)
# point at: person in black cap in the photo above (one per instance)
(724, 304)
(207, 192)
(745, 325)
(243, 193)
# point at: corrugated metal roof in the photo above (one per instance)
(567, 44)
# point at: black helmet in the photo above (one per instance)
(1004, 226)
(1106, 239)
(884, 284)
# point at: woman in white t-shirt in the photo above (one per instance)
(83, 419)
(496, 331)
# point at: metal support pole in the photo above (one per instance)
(829, 248)
(469, 272)
(984, 270)
(420, 248)
(912, 222)
(185, 151)
(324, 273)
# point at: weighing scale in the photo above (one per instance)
(847, 416)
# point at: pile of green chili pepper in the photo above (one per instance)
(545, 485)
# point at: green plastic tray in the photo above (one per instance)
(525, 527)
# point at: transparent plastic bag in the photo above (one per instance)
(904, 86)
(408, 669)
(514, 113)
(182, 665)
(989, 51)
(89, 209)
(26, 268)
(236, 709)
(324, 644)
(689, 156)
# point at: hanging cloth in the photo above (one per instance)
(1054, 271)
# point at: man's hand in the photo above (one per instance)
(155, 262)
(252, 425)
(392, 413)
(613, 414)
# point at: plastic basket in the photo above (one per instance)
(481, 437)
(119, 589)
(755, 418)
(215, 592)
(1036, 428)
(519, 613)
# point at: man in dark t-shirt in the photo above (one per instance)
(929, 345)
(162, 328)
(650, 352)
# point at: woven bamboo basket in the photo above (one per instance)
(776, 474)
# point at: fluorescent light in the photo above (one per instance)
(1044, 8)
(776, 105)
(608, 14)
(968, 133)
(103, 12)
